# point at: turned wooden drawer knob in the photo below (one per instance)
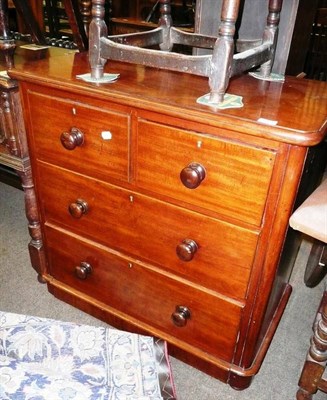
(180, 316)
(72, 139)
(192, 175)
(186, 249)
(83, 270)
(79, 208)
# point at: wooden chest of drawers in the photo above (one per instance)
(163, 216)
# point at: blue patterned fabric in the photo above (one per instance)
(43, 359)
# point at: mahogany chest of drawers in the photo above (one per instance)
(163, 216)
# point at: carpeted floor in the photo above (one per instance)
(20, 292)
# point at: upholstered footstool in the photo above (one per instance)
(48, 359)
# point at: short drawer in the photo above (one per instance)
(225, 177)
(80, 137)
(207, 322)
(205, 250)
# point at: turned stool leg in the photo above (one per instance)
(85, 7)
(165, 22)
(270, 33)
(316, 361)
(223, 51)
(98, 29)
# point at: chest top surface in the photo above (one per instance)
(294, 111)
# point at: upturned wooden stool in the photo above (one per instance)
(311, 219)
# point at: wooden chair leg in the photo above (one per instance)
(311, 377)
(316, 268)
(50, 8)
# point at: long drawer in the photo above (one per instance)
(222, 176)
(82, 137)
(150, 230)
(201, 319)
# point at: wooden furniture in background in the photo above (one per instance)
(57, 24)
(30, 14)
(144, 15)
(308, 39)
(14, 155)
(15, 167)
(316, 62)
(79, 16)
(7, 43)
(13, 146)
(164, 216)
(310, 218)
(69, 17)
(301, 36)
